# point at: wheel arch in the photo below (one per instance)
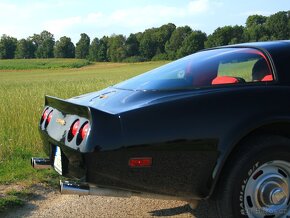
(278, 127)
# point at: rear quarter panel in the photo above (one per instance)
(217, 119)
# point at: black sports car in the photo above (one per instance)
(213, 125)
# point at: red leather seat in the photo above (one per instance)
(224, 80)
(267, 78)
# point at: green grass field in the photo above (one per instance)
(243, 70)
(21, 104)
(27, 64)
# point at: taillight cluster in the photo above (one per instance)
(79, 131)
(46, 116)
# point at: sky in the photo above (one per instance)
(23, 18)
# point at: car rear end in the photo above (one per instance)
(66, 131)
(83, 149)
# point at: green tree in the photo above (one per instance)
(64, 48)
(162, 35)
(103, 51)
(192, 43)
(148, 44)
(7, 47)
(25, 49)
(255, 28)
(94, 50)
(225, 35)
(98, 49)
(139, 36)
(82, 47)
(176, 40)
(117, 49)
(237, 34)
(255, 20)
(132, 45)
(44, 43)
(277, 26)
(153, 41)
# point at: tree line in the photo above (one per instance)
(167, 42)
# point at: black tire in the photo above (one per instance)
(244, 167)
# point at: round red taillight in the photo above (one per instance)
(84, 130)
(75, 127)
(45, 114)
(49, 117)
(46, 117)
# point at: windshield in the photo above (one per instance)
(206, 68)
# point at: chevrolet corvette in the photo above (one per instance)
(214, 125)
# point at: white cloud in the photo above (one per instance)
(198, 6)
(24, 18)
(60, 26)
(31, 16)
(248, 13)
(151, 14)
(8, 8)
(134, 18)
(94, 17)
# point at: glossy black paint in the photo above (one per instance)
(188, 133)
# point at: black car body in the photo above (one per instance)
(172, 131)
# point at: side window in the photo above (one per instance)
(249, 65)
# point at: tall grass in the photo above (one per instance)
(28, 64)
(21, 103)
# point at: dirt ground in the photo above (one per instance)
(48, 202)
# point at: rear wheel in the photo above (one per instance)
(267, 191)
(256, 180)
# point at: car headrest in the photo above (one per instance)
(260, 70)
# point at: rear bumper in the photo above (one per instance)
(183, 173)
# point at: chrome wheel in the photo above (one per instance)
(267, 191)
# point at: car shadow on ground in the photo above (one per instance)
(201, 211)
(172, 211)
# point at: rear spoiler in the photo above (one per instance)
(68, 107)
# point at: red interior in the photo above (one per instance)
(224, 80)
(267, 78)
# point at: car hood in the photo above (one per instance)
(113, 100)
